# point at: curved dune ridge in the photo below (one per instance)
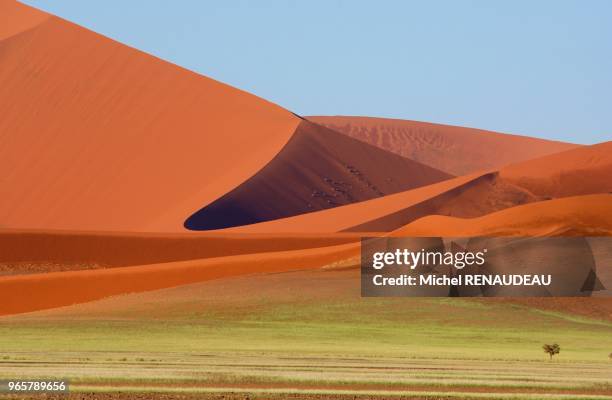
(453, 149)
(346, 217)
(58, 289)
(62, 251)
(578, 171)
(465, 196)
(318, 169)
(589, 215)
(586, 171)
(582, 215)
(99, 136)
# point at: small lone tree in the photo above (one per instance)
(551, 349)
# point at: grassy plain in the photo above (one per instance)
(309, 333)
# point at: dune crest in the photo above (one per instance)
(453, 149)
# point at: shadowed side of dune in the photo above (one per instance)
(466, 196)
(343, 218)
(317, 169)
(456, 150)
(478, 197)
(580, 171)
(584, 170)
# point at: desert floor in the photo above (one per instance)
(309, 334)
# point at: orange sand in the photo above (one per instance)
(346, 217)
(574, 172)
(48, 251)
(49, 290)
(18, 18)
(318, 169)
(99, 136)
(584, 170)
(453, 149)
(589, 215)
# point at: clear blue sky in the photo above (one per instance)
(541, 68)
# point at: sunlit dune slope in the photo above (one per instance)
(456, 150)
(318, 169)
(99, 136)
(49, 290)
(589, 215)
(51, 251)
(574, 172)
(583, 215)
(243, 295)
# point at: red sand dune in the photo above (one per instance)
(453, 149)
(347, 217)
(229, 295)
(240, 293)
(589, 215)
(318, 169)
(574, 172)
(583, 170)
(585, 215)
(49, 290)
(49, 251)
(102, 137)
(466, 196)
(99, 136)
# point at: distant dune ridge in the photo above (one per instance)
(129, 156)
(579, 171)
(584, 170)
(453, 149)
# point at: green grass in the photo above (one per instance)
(435, 328)
(384, 344)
